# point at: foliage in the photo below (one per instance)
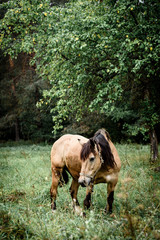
(25, 201)
(99, 56)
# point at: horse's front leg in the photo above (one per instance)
(73, 191)
(56, 174)
(87, 200)
(110, 197)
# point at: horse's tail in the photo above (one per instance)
(64, 177)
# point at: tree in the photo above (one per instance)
(20, 90)
(107, 62)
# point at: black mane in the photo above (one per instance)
(87, 148)
(100, 141)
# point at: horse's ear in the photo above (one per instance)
(92, 142)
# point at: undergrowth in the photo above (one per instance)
(25, 201)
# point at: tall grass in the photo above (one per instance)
(25, 200)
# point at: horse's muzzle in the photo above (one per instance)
(84, 181)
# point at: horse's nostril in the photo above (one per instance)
(82, 184)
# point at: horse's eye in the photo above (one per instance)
(92, 159)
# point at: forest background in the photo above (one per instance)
(77, 66)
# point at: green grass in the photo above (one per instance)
(25, 200)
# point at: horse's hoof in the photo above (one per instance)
(84, 214)
(106, 211)
(112, 215)
(54, 211)
(78, 211)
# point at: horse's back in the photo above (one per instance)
(65, 148)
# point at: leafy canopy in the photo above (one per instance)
(99, 56)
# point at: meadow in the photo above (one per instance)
(25, 199)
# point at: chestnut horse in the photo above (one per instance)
(89, 161)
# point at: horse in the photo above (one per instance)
(89, 162)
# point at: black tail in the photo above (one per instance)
(64, 178)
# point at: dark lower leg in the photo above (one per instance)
(110, 200)
(87, 200)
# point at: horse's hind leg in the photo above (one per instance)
(56, 174)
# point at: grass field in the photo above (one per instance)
(25, 200)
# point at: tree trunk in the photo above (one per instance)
(13, 86)
(154, 145)
(17, 137)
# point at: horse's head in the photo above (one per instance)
(91, 162)
(94, 153)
